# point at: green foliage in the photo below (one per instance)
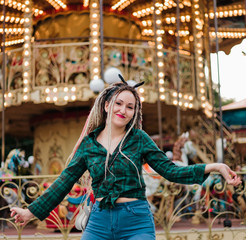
(224, 101)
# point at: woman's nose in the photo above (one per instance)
(123, 109)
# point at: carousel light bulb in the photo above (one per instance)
(203, 98)
(186, 104)
(95, 59)
(142, 99)
(54, 99)
(66, 98)
(47, 90)
(175, 102)
(55, 90)
(161, 74)
(201, 74)
(190, 98)
(141, 90)
(95, 41)
(25, 74)
(26, 63)
(161, 81)
(47, 99)
(159, 54)
(25, 81)
(73, 89)
(94, 15)
(162, 97)
(25, 97)
(162, 89)
(95, 70)
(94, 49)
(73, 97)
(190, 105)
(9, 94)
(203, 105)
(160, 64)
(65, 89)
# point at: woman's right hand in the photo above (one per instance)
(21, 215)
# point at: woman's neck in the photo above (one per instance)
(115, 132)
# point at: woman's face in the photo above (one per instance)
(123, 109)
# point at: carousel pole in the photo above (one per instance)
(101, 39)
(157, 82)
(210, 75)
(227, 222)
(3, 86)
(178, 76)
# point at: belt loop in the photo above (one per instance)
(128, 208)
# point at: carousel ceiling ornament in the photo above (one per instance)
(57, 4)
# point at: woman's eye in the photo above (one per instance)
(117, 103)
(130, 107)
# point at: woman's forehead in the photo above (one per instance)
(126, 96)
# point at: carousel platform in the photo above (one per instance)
(182, 230)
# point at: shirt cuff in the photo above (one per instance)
(199, 172)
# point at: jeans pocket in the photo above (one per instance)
(142, 210)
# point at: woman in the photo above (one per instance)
(113, 133)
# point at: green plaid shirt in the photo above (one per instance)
(123, 181)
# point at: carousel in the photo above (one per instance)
(57, 55)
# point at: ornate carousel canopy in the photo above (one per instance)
(62, 53)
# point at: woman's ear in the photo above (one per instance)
(106, 106)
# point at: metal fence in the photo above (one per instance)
(174, 206)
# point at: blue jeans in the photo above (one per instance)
(127, 221)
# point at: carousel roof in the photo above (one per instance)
(231, 15)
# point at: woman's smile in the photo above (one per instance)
(121, 116)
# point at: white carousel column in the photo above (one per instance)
(96, 83)
(159, 50)
(27, 50)
(198, 27)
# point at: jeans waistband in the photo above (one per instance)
(130, 204)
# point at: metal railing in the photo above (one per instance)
(172, 204)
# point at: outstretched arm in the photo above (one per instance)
(229, 175)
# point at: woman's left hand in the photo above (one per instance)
(229, 175)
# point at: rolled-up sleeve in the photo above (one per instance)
(161, 164)
(44, 204)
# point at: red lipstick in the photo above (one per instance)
(121, 116)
